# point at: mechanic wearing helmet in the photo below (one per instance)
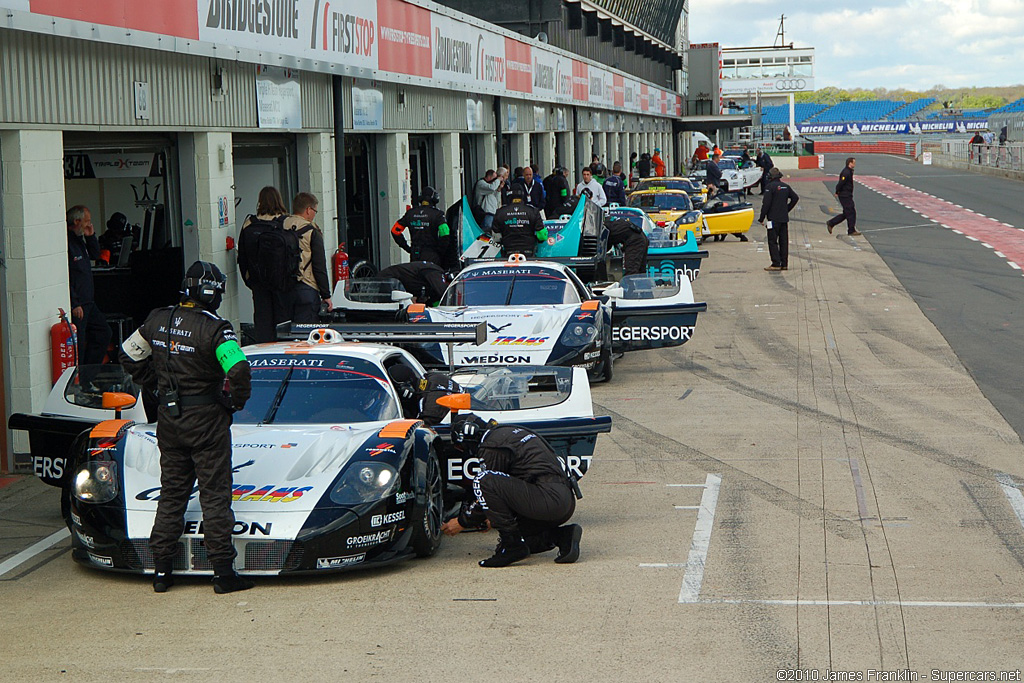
(419, 394)
(519, 224)
(521, 490)
(184, 352)
(429, 230)
(424, 280)
(556, 189)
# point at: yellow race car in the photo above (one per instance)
(698, 193)
(668, 209)
(727, 213)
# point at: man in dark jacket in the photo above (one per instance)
(519, 224)
(429, 230)
(522, 491)
(713, 179)
(779, 200)
(643, 167)
(614, 190)
(533, 188)
(634, 244)
(556, 191)
(844, 192)
(83, 249)
(765, 163)
(423, 279)
(314, 285)
(184, 353)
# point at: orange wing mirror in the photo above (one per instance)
(116, 401)
(455, 402)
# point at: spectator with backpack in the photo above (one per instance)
(260, 243)
(314, 286)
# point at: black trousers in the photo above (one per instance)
(634, 248)
(778, 244)
(427, 253)
(269, 307)
(196, 445)
(514, 506)
(849, 215)
(305, 304)
(93, 335)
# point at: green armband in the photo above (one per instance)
(565, 193)
(444, 230)
(542, 235)
(229, 354)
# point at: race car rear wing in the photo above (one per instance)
(396, 333)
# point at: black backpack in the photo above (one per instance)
(272, 253)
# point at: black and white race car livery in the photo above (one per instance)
(329, 474)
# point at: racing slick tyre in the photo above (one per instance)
(428, 515)
(607, 362)
(363, 269)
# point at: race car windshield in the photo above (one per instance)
(316, 396)
(684, 185)
(661, 202)
(526, 287)
(727, 164)
(631, 216)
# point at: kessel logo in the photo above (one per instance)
(339, 562)
(380, 520)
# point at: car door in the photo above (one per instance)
(652, 312)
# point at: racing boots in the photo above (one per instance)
(568, 543)
(225, 580)
(162, 580)
(511, 548)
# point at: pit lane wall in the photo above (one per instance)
(207, 85)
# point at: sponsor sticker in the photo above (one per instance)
(496, 360)
(653, 333)
(101, 560)
(403, 497)
(339, 562)
(368, 540)
(389, 518)
(87, 540)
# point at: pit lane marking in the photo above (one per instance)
(28, 553)
(1013, 495)
(803, 602)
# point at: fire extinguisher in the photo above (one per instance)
(63, 345)
(339, 263)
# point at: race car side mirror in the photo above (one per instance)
(454, 402)
(398, 295)
(614, 292)
(117, 401)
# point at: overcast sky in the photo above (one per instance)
(912, 44)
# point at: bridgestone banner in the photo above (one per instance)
(394, 40)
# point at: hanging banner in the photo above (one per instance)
(893, 127)
(131, 165)
(552, 76)
(167, 17)
(278, 97)
(342, 31)
(367, 109)
(518, 66)
(405, 46)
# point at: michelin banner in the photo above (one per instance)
(386, 38)
(961, 126)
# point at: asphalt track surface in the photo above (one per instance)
(971, 295)
(814, 483)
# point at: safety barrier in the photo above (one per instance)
(1010, 157)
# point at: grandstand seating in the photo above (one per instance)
(910, 109)
(869, 110)
(779, 114)
(1011, 107)
(966, 114)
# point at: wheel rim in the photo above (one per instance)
(432, 515)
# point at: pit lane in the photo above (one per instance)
(862, 518)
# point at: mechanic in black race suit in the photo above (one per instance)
(519, 224)
(634, 245)
(184, 353)
(419, 395)
(763, 161)
(428, 227)
(557, 191)
(424, 280)
(521, 490)
(779, 200)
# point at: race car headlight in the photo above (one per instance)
(96, 482)
(579, 334)
(364, 482)
(688, 218)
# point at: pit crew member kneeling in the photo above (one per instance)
(521, 490)
(634, 244)
(519, 224)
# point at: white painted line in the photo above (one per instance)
(973, 239)
(1013, 265)
(1013, 494)
(957, 231)
(687, 486)
(687, 507)
(28, 553)
(866, 603)
(697, 559)
(661, 565)
(987, 245)
(1000, 254)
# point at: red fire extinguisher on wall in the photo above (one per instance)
(63, 345)
(339, 264)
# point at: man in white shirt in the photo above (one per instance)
(487, 195)
(596, 191)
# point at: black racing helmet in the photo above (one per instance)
(600, 170)
(204, 284)
(117, 222)
(517, 194)
(428, 195)
(468, 429)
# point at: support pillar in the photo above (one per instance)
(316, 175)
(449, 168)
(520, 150)
(395, 192)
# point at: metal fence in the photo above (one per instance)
(1010, 156)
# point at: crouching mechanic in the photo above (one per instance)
(519, 224)
(634, 244)
(184, 352)
(428, 227)
(521, 490)
(424, 280)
